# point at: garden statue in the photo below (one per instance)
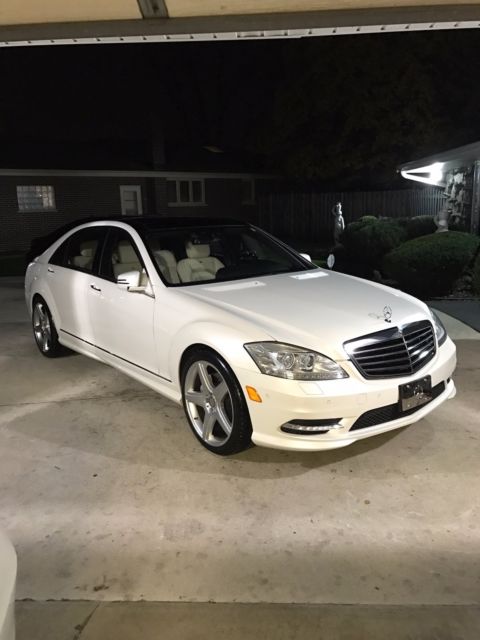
(441, 219)
(339, 224)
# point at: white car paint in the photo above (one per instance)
(315, 309)
(8, 576)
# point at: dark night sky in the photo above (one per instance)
(330, 109)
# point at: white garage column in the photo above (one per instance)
(8, 575)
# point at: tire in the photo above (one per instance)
(214, 403)
(44, 331)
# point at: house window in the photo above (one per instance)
(36, 197)
(185, 192)
(248, 191)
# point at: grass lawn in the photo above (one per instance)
(12, 264)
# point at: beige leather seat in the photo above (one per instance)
(199, 265)
(87, 253)
(168, 265)
(127, 259)
(84, 260)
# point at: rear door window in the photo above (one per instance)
(83, 249)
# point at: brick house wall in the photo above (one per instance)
(223, 199)
(78, 197)
(75, 198)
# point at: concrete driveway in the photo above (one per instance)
(107, 497)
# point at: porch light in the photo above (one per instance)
(431, 174)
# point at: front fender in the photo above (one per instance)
(225, 340)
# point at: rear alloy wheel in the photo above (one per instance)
(214, 404)
(44, 330)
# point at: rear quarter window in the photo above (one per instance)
(58, 257)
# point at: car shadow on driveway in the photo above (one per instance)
(146, 430)
(314, 459)
(99, 413)
(107, 495)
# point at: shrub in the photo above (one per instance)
(429, 265)
(476, 275)
(345, 264)
(420, 226)
(402, 221)
(368, 219)
(367, 242)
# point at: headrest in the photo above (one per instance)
(126, 252)
(88, 253)
(197, 250)
(167, 257)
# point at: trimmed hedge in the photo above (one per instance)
(420, 226)
(368, 240)
(368, 219)
(428, 266)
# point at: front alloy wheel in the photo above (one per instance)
(214, 404)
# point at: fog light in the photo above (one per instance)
(310, 427)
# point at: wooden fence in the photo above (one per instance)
(309, 215)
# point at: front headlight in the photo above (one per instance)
(440, 330)
(293, 363)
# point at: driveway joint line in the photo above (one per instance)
(80, 628)
(47, 402)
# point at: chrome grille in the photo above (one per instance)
(395, 352)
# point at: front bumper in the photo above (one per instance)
(348, 399)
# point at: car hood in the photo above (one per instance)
(317, 309)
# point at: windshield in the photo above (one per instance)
(194, 255)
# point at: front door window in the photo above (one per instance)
(119, 256)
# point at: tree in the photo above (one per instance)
(356, 106)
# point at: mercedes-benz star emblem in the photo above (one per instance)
(387, 313)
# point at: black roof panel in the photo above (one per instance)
(164, 222)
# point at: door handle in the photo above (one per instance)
(92, 286)
(50, 270)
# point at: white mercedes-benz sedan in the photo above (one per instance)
(258, 343)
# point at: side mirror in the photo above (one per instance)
(129, 279)
(331, 261)
(306, 256)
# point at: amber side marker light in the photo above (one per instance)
(253, 394)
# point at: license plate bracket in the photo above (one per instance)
(415, 394)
